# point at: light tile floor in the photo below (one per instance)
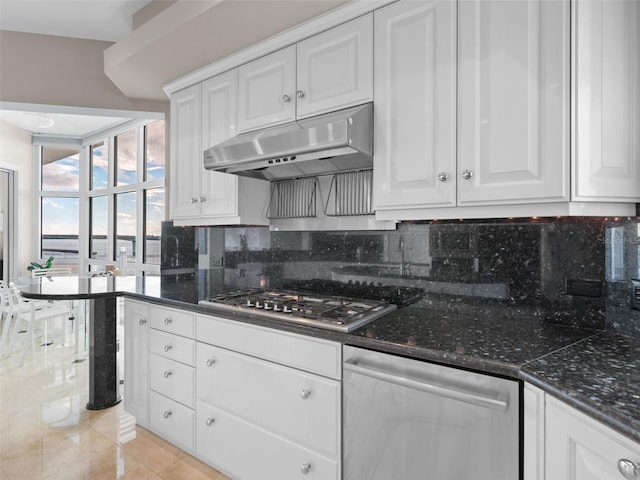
(47, 433)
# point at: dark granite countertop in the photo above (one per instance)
(594, 371)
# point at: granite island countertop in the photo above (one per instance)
(594, 371)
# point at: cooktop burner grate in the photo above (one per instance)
(326, 311)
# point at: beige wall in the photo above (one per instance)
(16, 151)
(51, 70)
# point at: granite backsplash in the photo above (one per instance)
(569, 271)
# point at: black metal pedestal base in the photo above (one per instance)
(103, 366)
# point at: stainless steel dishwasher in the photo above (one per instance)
(410, 420)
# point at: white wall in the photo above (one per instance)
(16, 152)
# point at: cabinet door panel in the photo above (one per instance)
(136, 351)
(186, 152)
(172, 421)
(415, 78)
(513, 101)
(299, 406)
(246, 452)
(172, 379)
(579, 448)
(606, 92)
(171, 346)
(219, 113)
(314, 355)
(262, 85)
(335, 68)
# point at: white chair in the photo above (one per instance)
(72, 307)
(35, 314)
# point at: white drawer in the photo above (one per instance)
(315, 355)
(172, 379)
(172, 421)
(172, 321)
(247, 452)
(172, 346)
(300, 406)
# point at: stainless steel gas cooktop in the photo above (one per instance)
(325, 311)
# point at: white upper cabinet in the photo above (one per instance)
(326, 72)
(415, 105)
(219, 115)
(201, 116)
(267, 90)
(186, 172)
(513, 102)
(335, 68)
(606, 95)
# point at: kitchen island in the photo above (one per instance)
(591, 370)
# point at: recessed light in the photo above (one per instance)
(37, 120)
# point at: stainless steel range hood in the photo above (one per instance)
(334, 142)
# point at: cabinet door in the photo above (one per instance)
(607, 100)
(415, 79)
(579, 448)
(244, 451)
(513, 110)
(299, 406)
(219, 113)
(335, 68)
(172, 421)
(186, 152)
(267, 90)
(136, 352)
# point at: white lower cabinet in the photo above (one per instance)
(172, 421)
(245, 451)
(172, 379)
(136, 355)
(263, 412)
(575, 446)
(298, 405)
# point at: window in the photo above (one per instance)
(59, 201)
(119, 204)
(98, 227)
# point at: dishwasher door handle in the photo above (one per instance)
(467, 397)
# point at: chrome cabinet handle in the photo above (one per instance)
(167, 321)
(210, 362)
(467, 174)
(194, 200)
(629, 469)
(304, 394)
(305, 467)
(300, 94)
(166, 374)
(286, 99)
(210, 421)
(202, 199)
(443, 176)
(166, 414)
(142, 321)
(167, 348)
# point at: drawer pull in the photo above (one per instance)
(167, 321)
(304, 394)
(142, 321)
(305, 468)
(628, 469)
(210, 362)
(210, 421)
(167, 373)
(166, 414)
(167, 348)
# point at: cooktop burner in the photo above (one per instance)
(326, 311)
